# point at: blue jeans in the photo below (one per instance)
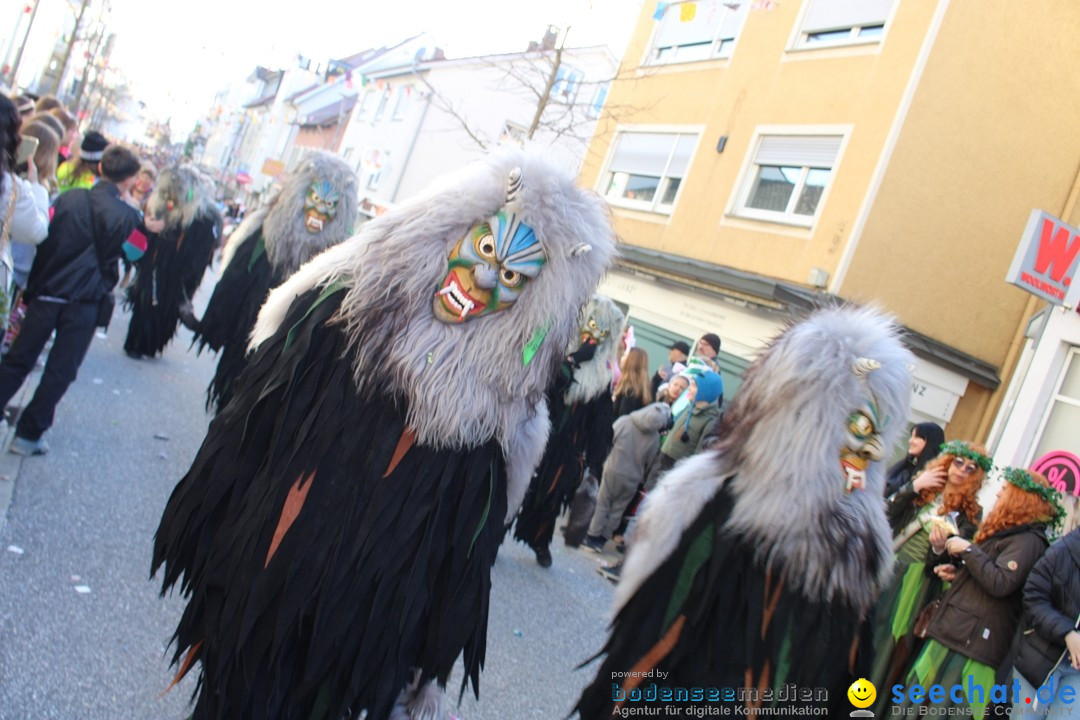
(1063, 676)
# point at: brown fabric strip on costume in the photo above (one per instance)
(294, 502)
(408, 437)
(193, 651)
(656, 653)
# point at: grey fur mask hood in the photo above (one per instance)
(188, 191)
(289, 244)
(465, 383)
(780, 450)
(595, 376)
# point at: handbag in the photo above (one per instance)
(925, 617)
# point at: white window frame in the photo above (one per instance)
(565, 88)
(380, 109)
(364, 107)
(596, 106)
(1072, 356)
(748, 175)
(401, 104)
(718, 48)
(655, 205)
(847, 34)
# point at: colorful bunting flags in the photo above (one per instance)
(687, 11)
(661, 8)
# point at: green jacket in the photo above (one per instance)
(701, 421)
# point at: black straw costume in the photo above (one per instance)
(176, 258)
(335, 535)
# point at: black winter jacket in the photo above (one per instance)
(77, 262)
(1051, 607)
(980, 611)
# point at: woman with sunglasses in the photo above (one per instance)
(971, 632)
(942, 493)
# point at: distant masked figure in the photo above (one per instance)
(176, 258)
(315, 209)
(582, 414)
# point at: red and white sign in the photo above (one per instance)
(1047, 260)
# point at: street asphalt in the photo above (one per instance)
(84, 634)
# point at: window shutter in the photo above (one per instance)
(837, 14)
(641, 153)
(799, 150)
(701, 29)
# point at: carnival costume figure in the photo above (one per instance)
(582, 414)
(755, 563)
(335, 535)
(314, 210)
(176, 258)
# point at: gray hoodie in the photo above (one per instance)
(635, 450)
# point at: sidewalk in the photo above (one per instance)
(11, 464)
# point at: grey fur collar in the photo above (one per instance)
(780, 449)
(465, 383)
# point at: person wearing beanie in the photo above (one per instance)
(82, 171)
(707, 349)
(693, 424)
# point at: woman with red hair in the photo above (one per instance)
(972, 630)
(944, 493)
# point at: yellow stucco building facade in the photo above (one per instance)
(760, 157)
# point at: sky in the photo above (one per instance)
(178, 55)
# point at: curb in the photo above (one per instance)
(11, 464)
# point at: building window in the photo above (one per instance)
(597, 104)
(566, 85)
(401, 105)
(365, 105)
(1063, 414)
(828, 23)
(702, 30)
(647, 169)
(381, 109)
(788, 177)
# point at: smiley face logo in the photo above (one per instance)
(862, 693)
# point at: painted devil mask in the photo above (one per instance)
(862, 445)
(489, 268)
(320, 205)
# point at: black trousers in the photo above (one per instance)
(74, 325)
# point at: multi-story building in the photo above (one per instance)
(885, 151)
(423, 118)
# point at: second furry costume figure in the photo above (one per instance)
(335, 534)
(176, 258)
(754, 565)
(581, 417)
(315, 209)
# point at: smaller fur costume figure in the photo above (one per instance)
(335, 534)
(582, 414)
(175, 260)
(755, 564)
(315, 209)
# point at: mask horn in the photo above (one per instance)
(864, 366)
(579, 250)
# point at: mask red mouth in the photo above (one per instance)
(456, 301)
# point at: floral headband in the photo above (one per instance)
(959, 448)
(1023, 480)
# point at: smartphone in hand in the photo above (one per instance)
(27, 147)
